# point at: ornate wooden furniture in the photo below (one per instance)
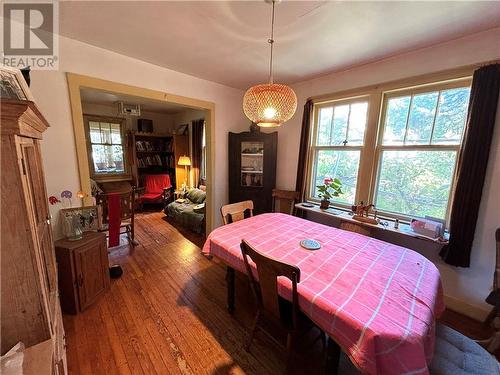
(284, 201)
(236, 211)
(127, 212)
(252, 168)
(266, 292)
(83, 270)
(30, 310)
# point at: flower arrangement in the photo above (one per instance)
(332, 187)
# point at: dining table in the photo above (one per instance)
(377, 301)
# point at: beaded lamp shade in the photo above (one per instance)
(269, 104)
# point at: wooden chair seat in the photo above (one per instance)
(271, 307)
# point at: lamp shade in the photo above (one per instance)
(184, 160)
(269, 104)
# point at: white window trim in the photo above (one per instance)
(371, 151)
(105, 177)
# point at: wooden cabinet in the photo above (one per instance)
(29, 294)
(252, 168)
(83, 271)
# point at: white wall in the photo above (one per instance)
(465, 289)
(51, 94)
(162, 122)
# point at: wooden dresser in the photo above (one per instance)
(30, 310)
(83, 270)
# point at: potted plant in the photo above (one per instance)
(332, 187)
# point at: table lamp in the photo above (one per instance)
(186, 162)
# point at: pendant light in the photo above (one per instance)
(270, 104)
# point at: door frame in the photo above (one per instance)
(76, 82)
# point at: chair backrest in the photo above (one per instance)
(155, 183)
(496, 278)
(268, 270)
(236, 211)
(127, 206)
(285, 200)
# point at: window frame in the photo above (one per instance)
(314, 149)
(371, 152)
(104, 177)
(380, 147)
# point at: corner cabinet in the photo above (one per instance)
(252, 168)
(30, 310)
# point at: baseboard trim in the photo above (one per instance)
(475, 312)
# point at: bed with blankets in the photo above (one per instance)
(189, 211)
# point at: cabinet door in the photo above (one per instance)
(37, 200)
(92, 275)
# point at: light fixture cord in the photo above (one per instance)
(271, 42)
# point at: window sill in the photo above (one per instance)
(384, 225)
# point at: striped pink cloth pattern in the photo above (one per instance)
(378, 301)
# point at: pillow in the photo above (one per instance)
(196, 196)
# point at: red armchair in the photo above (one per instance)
(157, 189)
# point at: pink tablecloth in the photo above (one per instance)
(378, 301)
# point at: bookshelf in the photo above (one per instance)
(154, 153)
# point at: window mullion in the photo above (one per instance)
(435, 116)
(347, 127)
(407, 119)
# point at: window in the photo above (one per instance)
(421, 137)
(105, 142)
(337, 144)
(395, 148)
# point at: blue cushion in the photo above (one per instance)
(454, 354)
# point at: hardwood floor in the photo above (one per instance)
(167, 315)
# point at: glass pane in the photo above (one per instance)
(395, 120)
(325, 126)
(338, 164)
(357, 124)
(105, 132)
(252, 164)
(95, 132)
(107, 159)
(116, 136)
(117, 159)
(340, 118)
(423, 108)
(451, 115)
(415, 183)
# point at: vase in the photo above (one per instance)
(325, 203)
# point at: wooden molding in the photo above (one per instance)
(77, 82)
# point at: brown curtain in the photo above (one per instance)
(304, 149)
(472, 163)
(196, 149)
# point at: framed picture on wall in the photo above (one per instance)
(13, 85)
(87, 217)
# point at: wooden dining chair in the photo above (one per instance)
(266, 292)
(284, 201)
(236, 211)
(353, 227)
(128, 201)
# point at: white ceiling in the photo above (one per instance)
(110, 99)
(226, 41)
